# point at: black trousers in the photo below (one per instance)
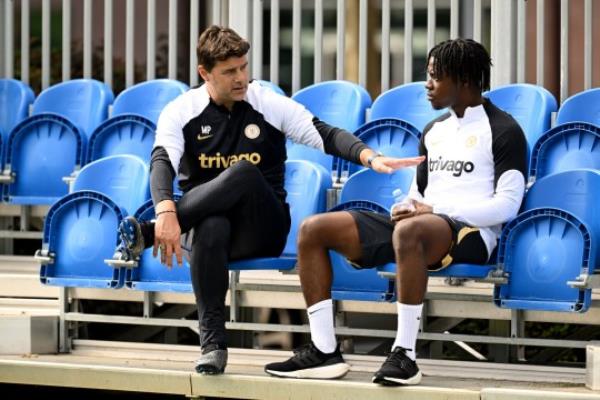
(236, 215)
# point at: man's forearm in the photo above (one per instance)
(161, 178)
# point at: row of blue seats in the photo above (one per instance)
(70, 119)
(532, 106)
(374, 129)
(80, 228)
(545, 256)
(68, 128)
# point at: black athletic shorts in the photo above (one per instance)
(375, 234)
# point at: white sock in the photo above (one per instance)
(322, 333)
(409, 320)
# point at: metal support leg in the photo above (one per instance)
(25, 218)
(148, 304)
(517, 330)
(340, 322)
(233, 296)
(64, 343)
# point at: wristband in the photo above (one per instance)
(374, 156)
(165, 211)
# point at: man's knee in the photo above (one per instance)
(408, 236)
(242, 172)
(311, 231)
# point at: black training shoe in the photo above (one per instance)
(132, 240)
(398, 369)
(310, 362)
(212, 361)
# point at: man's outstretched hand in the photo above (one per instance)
(388, 165)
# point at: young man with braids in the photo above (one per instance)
(471, 182)
(226, 142)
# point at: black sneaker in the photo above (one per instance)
(213, 360)
(132, 240)
(310, 362)
(398, 369)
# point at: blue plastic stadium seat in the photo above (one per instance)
(84, 102)
(565, 147)
(123, 134)
(148, 98)
(392, 137)
(151, 275)
(581, 107)
(555, 241)
(532, 106)
(80, 230)
(366, 190)
(79, 233)
(271, 86)
(123, 178)
(306, 185)
(133, 124)
(55, 137)
(407, 102)
(15, 98)
(339, 103)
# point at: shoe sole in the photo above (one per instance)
(388, 380)
(329, 372)
(209, 370)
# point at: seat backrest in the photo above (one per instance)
(369, 185)
(339, 103)
(407, 102)
(148, 98)
(123, 178)
(530, 105)
(306, 185)
(583, 106)
(83, 101)
(576, 191)
(566, 147)
(15, 98)
(393, 137)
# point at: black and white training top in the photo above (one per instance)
(198, 139)
(475, 168)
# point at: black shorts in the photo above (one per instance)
(375, 234)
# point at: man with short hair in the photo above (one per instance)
(471, 182)
(225, 140)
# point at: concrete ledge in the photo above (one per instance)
(258, 387)
(592, 366)
(524, 394)
(28, 334)
(95, 377)
(169, 369)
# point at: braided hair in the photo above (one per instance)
(463, 60)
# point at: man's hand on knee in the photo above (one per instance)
(408, 210)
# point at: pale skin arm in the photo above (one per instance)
(388, 165)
